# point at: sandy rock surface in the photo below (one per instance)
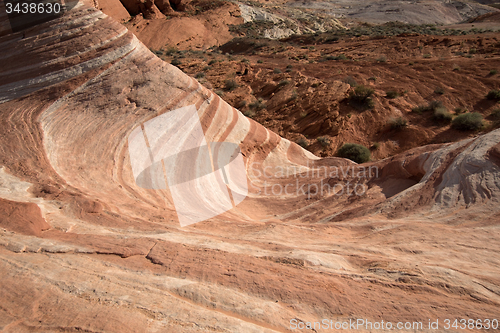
(83, 248)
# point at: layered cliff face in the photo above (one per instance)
(83, 247)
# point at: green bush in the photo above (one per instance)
(283, 83)
(441, 114)
(493, 94)
(355, 152)
(337, 57)
(350, 81)
(439, 91)
(324, 141)
(398, 123)
(257, 105)
(495, 114)
(468, 122)
(391, 94)
(303, 142)
(361, 96)
(432, 106)
(230, 85)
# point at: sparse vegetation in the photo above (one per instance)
(439, 91)
(495, 114)
(277, 71)
(493, 94)
(350, 81)
(398, 123)
(432, 106)
(303, 142)
(391, 94)
(337, 57)
(257, 105)
(442, 114)
(355, 152)
(230, 85)
(382, 59)
(468, 121)
(324, 141)
(283, 83)
(375, 146)
(361, 97)
(493, 72)
(176, 62)
(200, 75)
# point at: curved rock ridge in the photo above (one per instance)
(87, 247)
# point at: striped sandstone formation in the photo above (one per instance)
(83, 247)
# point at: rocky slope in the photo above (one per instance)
(83, 248)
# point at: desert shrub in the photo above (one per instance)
(398, 123)
(373, 78)
(355, 152)
(257, 105)
(283, 83)
(249, 113)
(381, 59)
(277, 71)
(241, 104)
(219, 92)
(303, 142)
(176, 62)
(493, 94)
(260, 61)
(459, 110)
(456, 67)
(230, 85)
(468, 122)
(441, 114)
(432, 106)
(495, 114)
(337, 57)
(375, 146)
(426, 56)
(493, 72)
(350, 81)
(324, 141)
(391, 94)
(439, 91)
(361, 96)
(212, 62)
(200, 75)
(170, 51)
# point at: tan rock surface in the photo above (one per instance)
(421, 243)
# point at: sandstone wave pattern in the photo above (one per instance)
(84, 248)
